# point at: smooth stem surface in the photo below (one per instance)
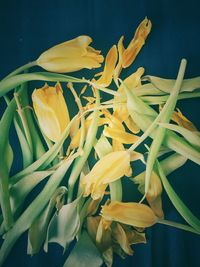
(21, 69)
(90, 139)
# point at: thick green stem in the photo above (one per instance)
(21, 69)
(8, 84)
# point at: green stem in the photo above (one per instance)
(116, 190)
(8, 84)
(90, 139)
(178, 225)
(21, 69)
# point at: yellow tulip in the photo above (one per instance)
(134, 214)
(51, 110)
(108, 169)
(71, 56)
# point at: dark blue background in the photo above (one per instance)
(27, 28)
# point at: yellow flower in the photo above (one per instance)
(108, 169)
(134, 214)
(51, 110)
(71, 56)
(136, 43)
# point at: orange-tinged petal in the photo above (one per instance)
(110, 62)
(71, 56)
(134, 214)
(120, 136)
(51, 110)
(118, 68)
(182, 121)
(136, 43)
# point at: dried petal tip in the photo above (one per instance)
(136, 43)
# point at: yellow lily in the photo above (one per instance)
(108, 169)
(107, 74)
(51, 110)
(134, 214)
(71, 56)
(118, 68)
(136, 43)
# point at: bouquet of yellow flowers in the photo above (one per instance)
(84, 155)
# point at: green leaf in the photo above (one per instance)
(84, 254)
(177, 202)
(21, 189)
(46, 158)
(192, 137)
(25, 221)
(64, 226)
(165, 85)
(165, 116)
(136, 106)
(4, 165)
(37, 232)
(26, 153)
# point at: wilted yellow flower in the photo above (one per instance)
(108, 169)
(71, 56)
(110, 62)
(136, 43)
(51, 110)
(134, 214)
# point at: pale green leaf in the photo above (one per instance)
(84, 254)
(37, 232)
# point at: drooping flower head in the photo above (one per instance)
(70, 56)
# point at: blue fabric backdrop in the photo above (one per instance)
(28, 28)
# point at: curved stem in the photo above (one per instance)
(21, 69)
(178, 226)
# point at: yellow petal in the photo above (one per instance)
(109, 67)
(131, 125)
(120, 237)
(154, 193)
(51, 110)
(118, 68)
(134, 214)
(71, 56)
(120, 136)
(182, 121)
(136, 43)
(132, 81)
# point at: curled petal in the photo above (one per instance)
(110, 62)
(118, 68)
(120, 136)
(134, 214)
(136, 43)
